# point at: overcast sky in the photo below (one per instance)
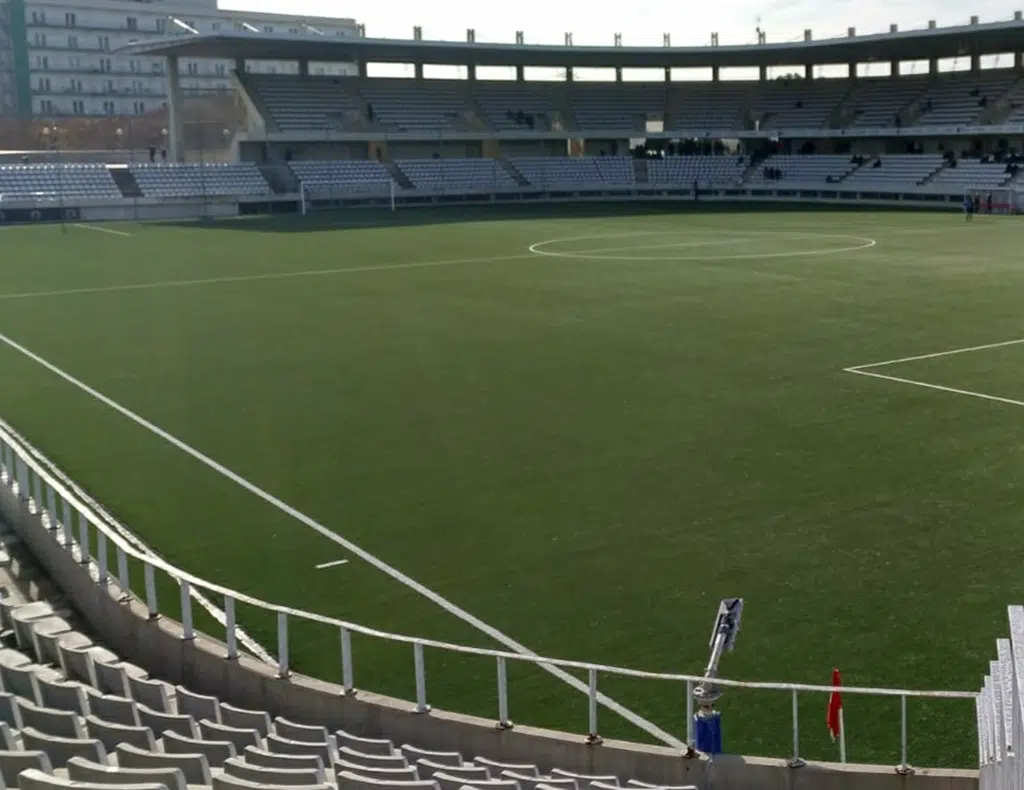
(641, 22)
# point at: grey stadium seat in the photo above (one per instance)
(112, 677)
(216, 752)
(9, 710)
(60, 750)
(229, 782)
(151, 693)
(77, 659)
(383, 774)
(51, 628)
(8, 740)
(350, 781)
(584, 780)
(240, 769)
(21, 617)
(48, 638)
(113, 709)
(194, 766)
(531, 782)
(469, 774)
(37, 780)
(372, 760)
(301, 732)
(198, 706)
(647, 786)
(289, 762)
(364, 745)
(63, 695)
(444, 758)
(325, 751)
(167, 722)
(13, 763)
(80, 770)
(212, 731)
(111, 734)
(258, 720)
(61, 723)
(456, 782)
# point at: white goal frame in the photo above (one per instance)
(1005, 200)
(367, 189)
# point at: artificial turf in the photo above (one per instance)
(586, 450)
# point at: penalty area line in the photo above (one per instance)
(331, 564)
(353, 548)
(99, 229)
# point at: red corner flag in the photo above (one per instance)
(834, 715)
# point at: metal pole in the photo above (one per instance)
(904, 767)
(282, 645)
(229, 625)
(83, 538)
(101, 558)
(796, 762)
(592, 736)
(186, 611)
(421, 678)
(151, 601)
(689, 713)
(346, 661)
(122, 572)
(503, 722)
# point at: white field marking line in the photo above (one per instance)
(363, 554)
(936, 355)
(331, 564)
(244, 278)
(938, 387)
(98, 229)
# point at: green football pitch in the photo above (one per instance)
(583, 427)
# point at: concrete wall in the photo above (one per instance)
(200, 664)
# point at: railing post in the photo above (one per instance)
(51, 506)
(68, 525)
(83, 539)
(503, 720)
(101, 555)
(796, 762)
(689, 714)
(592, 736)
(903, 768)
(421, 678)
(229, 625)
(5, 470)
(282, 644)
(122, 572)
(37, 492)
(23, 479)
(151, 601)
(186, 611)
(346, 661)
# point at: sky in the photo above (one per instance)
(641, 22)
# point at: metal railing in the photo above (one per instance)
(1000, 712)
(59, 505)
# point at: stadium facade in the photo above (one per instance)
(59, 58)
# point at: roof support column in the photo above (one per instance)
(520, 73)
(1018, 60)
(175, 112)
(715, 74)
(851, 71)
(417, 70)
(668, 74)
(762, 73)
(568, 74)
(894, 68)
(471, 71)
(808, 72)
(361, 69)
(240, 66)
(933, 66)
(303, 67)
(975, 62)
(618, 73)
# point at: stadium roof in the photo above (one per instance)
(948, 42)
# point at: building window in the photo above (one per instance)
(78, 107)
(44, 84)
(216, 27)
(268, 28)
(46, 107)
(132, 23)
(70, 20)
(108, 108)
(42, 62)
(104, 43)
(105, 64)
(40, 39)
(221, 70)
(192, 68)
(72, 42)
(139, 107)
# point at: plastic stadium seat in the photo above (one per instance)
(13, 763)
(52, 627)
(373, 760)
(63, 724)
(469, 774)
(240, 769)
(527, 782)
(646, 786)
(48, 634)
(118, 710)
(383, 774)
(37, 780)
(21, 617)
(457, 782)
(63, 695)
(111, 734)
(350, 781)
(216, 752)
(258, 720)
(112, 678)
(301, 732)
(77, 659)
(60, 750)
(212, 731)
(379, 746)
(413, 754)
(198, 706)
(325, 751)
(194, 766)
(496, 767)
(229, 782)
(585, 780)
(8, 740)
(80, 770)
(9, 710)
(289, 762)
(167, 722)
(154, 694)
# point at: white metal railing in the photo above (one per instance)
(37, 481)
(1000, 712)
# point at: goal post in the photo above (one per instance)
(1005, 200)
(328, 195)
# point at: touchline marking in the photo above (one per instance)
(936, 355)
(331, 564)
(244, 278)
(98, 229)
(363, 554)
(937, 387)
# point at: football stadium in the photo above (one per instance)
(519, 434)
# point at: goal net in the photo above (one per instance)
(315, 196)
(1004, 200)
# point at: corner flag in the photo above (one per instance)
(834, 716)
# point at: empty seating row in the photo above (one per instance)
(811, 169)
(55, 181)
(349, 176)
(895, 171)
(193, 180)
(575, 172)
(704, 170)
(463, 175)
